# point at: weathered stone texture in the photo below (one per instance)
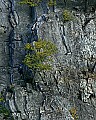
(63, 88)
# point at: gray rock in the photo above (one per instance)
(14, 19)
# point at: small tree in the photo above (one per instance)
(39, 54)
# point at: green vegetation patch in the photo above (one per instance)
(30, 2)
(4, 111)
(67, 16)
(52, 2)
(39, 54)
(1, 98)
(73, 112)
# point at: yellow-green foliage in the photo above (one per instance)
(1, 98)
(73, 112)
(4, 111)
(30, 2)
(67, 15)
(52, 2)
(42, 50)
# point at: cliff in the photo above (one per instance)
(68, 91)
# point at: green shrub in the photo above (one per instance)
(42, 52)
(4, 111)
(67, 16)
(30, 2)
(52, 2)
(1, 98)
(73, 112)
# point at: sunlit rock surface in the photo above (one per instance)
(63, 88)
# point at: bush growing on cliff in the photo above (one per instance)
(31, 2)
(67, 16)
(1, 98)
(52, 2)
(39, 54)
(73, 112)
(5, 112)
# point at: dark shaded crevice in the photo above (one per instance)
(13, 20)
(11, 5)
(13, 23)
(31, 37)
(39, 116)
(11, 48)
(33, 14)
(11, 53)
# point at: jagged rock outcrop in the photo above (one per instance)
(68, 91)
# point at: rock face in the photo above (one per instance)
(68, 92)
